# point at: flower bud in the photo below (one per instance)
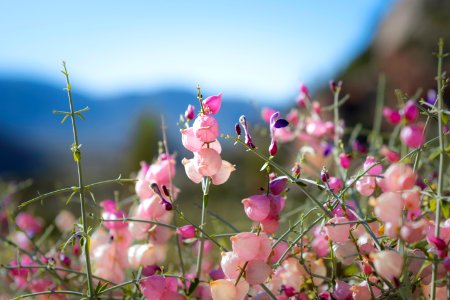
(189, 113)
(186, 232)
(273, 148)
(324, 176)
(345, 160)
(237, 128)
(278, 184)
(212, 104)
(410, 111)
(392, 116)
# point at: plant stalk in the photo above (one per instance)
(440, 184)
(77, 157)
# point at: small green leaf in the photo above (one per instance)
(445, 208)
(264, 166)
(350, 271)
(432, 204)
(444, 118)
(76, 155)
(434, 154)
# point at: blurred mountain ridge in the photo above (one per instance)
(30, 132)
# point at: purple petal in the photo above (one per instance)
(280, 123)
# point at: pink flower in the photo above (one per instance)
(335, 184)
(231, 264)
(390, 155)
(399, 177)
(336, 232)
(224, 173)
(366, 185)
(186, 232)
(278, 251)
(206, 128)
(110, 213)
(146, 255)
(392, 116)
(292, 117)
(369, 164)
(28, 223)
(278, 184)
(320, 243)
(411, 199)
(410, 111)
(389, 207)
(212, 104)
(193, 144)
(157, 287)
(388, 264)
(412, 232)
(266, 113)
(65, 221)
(249, 246)
(223, 289)
(257, 207)
(345, 160)
(342, 290)
(207, 162)
(413, 135)
(257, 272)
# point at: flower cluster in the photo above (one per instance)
(201, 139)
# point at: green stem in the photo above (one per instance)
(77, 157)
(206, 181)
(440, 184)
(49, 293)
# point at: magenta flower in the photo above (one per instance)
(413, 135)
(392, 116)
(345, 160)
(410, 111)
(189, 114)
(212, 104)
(186, 232)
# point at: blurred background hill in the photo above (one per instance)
(123, 127)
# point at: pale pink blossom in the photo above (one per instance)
(388, 264)
(231, 264)
(249, 246)
(206, 128)
(366, 185)
(399, 177)
(371, 166)
(336, 232)
(257, 272)
(257, 207)
(389, 207)
(224, 289)
(65, 221)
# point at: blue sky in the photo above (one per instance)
(259, 50)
